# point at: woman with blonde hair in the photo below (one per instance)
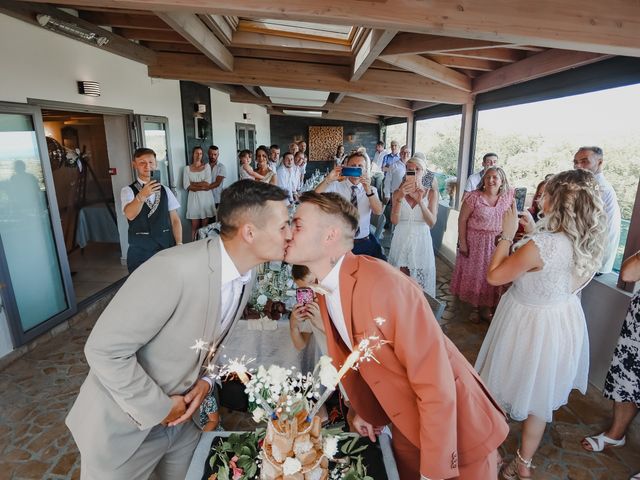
(478, 224)
(414, 213)
(537, 350)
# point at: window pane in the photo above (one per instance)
(439, 140)
(25, 225)
(538, 138)
(155, 138)
(397, 132)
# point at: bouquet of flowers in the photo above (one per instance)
(273, 292)
(312, 182)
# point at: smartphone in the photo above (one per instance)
(351, 172)
(520, 196)
(427, 179)
(304, 295)
(155, 175)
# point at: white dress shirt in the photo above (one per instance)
(378, 157)
(331, 283)
(612, 209)
(218, 171)
(364, 207)
(289, 179)
(393, 178)
(473, 181)
(231, 284)
(127, 196)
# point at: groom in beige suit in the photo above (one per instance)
(132, 415)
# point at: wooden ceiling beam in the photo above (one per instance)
(430, 69)
(369, 50)
(221, 26)
(141, 34)
(291, 55)
(420, 105)
(117, 44)
(171, 47)
(392, 102)
(276, 73)
(275, 42)
(538, 65)
(586, 25)
(412, 43)
(508, 55)
(464, 62)
(191, 27)
(123, 20)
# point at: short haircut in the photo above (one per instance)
(274, 146)
(140, 152)
(299, 152)
(490, 154)
(379, 144)
(285, 154)
(213, 147)
(597, 150)
(299, 272)
(354, 155)
(243, 153)
(335, 205)
(245, 196)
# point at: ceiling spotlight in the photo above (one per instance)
(71, 29)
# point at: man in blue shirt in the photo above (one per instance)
(391, 158)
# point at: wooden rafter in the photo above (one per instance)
(464, 62)
(430, 69)
(276, 42)
(123, 20)
(221, 26)
(369, 50)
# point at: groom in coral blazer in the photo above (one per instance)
(445, 424)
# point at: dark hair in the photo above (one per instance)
(379, 144)
(597, 150)
(244, 152)
(288, 153)
(245, 196)
(490, 154)
(354, 155)
(264, 149)
(274, 146)
(339, 147)
(334, 204)
(140, 152)
(299, 272)
(213, 147)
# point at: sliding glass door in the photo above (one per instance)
(34, 272)
(153, 132)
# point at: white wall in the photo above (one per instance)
(44, 65)
(225, 115)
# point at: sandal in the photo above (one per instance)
(512, 472)
(636, 476)
(600, 442)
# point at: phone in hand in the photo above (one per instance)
(304, 295)
(351, 172)
(520, 196)
(427, 179)
(155, 175)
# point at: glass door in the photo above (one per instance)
(34, 270)
(153, 132)
(246, 138)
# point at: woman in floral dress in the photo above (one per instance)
(479, 224)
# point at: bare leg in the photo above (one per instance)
(195, 225)
(532, 432)
(623, 415)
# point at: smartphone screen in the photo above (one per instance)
(351, 172)
(304, 295)
(520, 196)
(411, 173)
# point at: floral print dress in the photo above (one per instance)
(623, 380)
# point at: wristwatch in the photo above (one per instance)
(370, 194)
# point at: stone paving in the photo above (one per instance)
(37, 390)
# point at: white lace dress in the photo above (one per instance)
(537, 349)
(412, 247)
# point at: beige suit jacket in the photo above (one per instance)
(139, 350)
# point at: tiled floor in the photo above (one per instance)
(37, 390)
(95, 268)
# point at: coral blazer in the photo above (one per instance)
(422, 383)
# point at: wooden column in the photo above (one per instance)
(464, 151)
(410, 131)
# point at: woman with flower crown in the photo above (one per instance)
(536, 350)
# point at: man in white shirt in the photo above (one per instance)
(149, 350)
(591, 158)
(396, 173)
(274, 157)
(288, 177)
(152, 212)
(363, 196)
(218, 173)
(378, 157)
(473, 181)
(300, 162)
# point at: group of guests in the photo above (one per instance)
(534, 354)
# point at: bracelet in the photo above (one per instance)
(370, 194)
(502, 238)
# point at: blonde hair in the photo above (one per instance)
(575, 208)
(419, 161)
(503, 176)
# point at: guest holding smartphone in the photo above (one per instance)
(353, 182)
(414, 213)
(305, 319)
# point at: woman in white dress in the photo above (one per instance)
(200, 203)
(537, 350)
(414, 213)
